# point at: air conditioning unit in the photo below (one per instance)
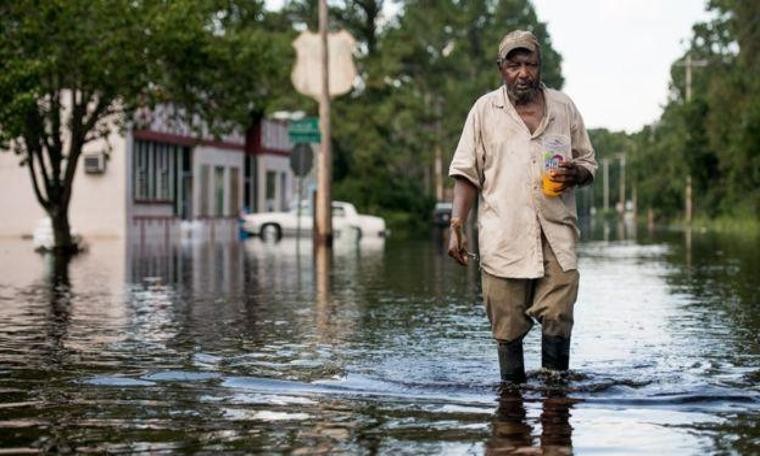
(95, 163)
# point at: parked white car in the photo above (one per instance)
(346, 222)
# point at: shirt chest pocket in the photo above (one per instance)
(556, 148)
(500, 146)
(500, 155)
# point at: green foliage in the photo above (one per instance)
(609, 146)
(72, 70)
(714, 137)
(395, 198)
(228, 62)
(420, 74)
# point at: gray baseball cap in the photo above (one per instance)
(518, 39)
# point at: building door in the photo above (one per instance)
(219, 191)
(204, 190)
(185, 193)
(283, 192)
(271, 191)
(248, 203)
(234, 191)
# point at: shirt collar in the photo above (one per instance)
(500, 100)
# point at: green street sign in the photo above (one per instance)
(310, 138)
(305, 130)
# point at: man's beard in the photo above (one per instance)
(524, 94)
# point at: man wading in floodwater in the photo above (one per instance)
(523, 149)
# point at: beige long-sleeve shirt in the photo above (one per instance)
(504, 161)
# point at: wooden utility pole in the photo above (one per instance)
(606, 175)
(323, 234)
(688, 65)
(438, 162)
(622, 184)
(438, 173)
(635, 201)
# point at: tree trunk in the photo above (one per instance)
(63, 242)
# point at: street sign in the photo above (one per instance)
(307, 71)
(301, 159)
(305, 130)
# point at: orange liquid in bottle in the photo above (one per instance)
(549, 187)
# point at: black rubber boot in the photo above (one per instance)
(511, 364)
(555, 352)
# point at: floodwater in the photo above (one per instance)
(247, 347)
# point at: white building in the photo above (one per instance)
(147, 182)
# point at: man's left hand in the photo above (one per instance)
(569, 174)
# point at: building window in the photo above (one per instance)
(165, 158)
(283, 192)
(155, 167)
(184, 186)
(140, 170)
(204, 190)
(247, 183)
(219, 190)
(271, 189)
(234, 191)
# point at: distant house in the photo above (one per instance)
(151, 180)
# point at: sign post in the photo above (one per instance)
(323, 234)
(301, 161)
(324, 68)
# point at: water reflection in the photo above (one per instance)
(603, 228)
(322, 273)
(59, 289)
(511, 432)
(243, 346)
(513, 428)
(556, 431)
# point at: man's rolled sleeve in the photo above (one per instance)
(583, 150)
(465, 161)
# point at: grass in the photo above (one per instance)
(729, 224)
(721, 224)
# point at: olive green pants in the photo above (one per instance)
(512, 304)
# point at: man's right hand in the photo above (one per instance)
(457, 242)
(464, 196)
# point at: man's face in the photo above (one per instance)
(521, 72)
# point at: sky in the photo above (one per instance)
(616, 54)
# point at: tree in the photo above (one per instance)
(732, 122)
(611, 146)
(712, 137)
(73, 70)
(420, 73)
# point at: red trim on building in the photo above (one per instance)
(153, 218)
(253, 139)
(254, 143)
(154, 202)
(182, 140)
(280, 152)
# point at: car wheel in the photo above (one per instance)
(270, 232)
